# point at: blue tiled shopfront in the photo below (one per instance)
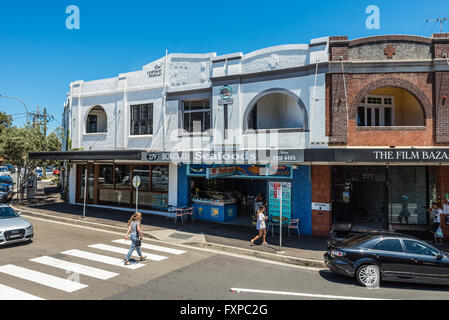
(193, 179)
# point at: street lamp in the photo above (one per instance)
(14, 98)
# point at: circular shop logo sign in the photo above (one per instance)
(152, 156)
(226, 92)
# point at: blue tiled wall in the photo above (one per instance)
(183, 186)
(302, 198)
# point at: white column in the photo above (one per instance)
(173, 184)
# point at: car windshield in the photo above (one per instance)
(7, 213)
(357, 240)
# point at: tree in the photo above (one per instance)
(16, 144)
(5, 121)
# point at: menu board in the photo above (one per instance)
(280, 191)
(159, 178)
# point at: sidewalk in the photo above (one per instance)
(305, 251)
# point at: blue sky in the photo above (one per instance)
(39, 56)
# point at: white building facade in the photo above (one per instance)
(255, 110)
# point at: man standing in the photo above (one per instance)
(436, 227)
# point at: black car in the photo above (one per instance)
(371, 258)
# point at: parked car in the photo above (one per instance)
(56, 172)
(13, 228)
(371, 258)
(6, 193)
(4, 171)
(7, 180)
(39, 173)
(11, 168)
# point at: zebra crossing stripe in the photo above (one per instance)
(105, 247)
(152, 247)
(76, 268)
(7, 293)
(42, 278)
(100, 258)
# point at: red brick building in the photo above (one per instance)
(387, 119)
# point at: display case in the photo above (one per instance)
(214, 206)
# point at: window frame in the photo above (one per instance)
(149, 120)
(204, 111)
(372, 108)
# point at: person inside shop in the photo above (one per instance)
(436, 227)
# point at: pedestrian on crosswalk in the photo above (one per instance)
(135, 234)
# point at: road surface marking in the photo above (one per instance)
(188, 247)
(299, 294)
(152, 247)
(76, 268)
(100, 258)
(7, 293)
(124, 251)
(42, 278)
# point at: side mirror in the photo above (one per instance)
(439, 256)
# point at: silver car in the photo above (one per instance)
(13, 228)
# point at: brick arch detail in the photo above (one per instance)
(423, 99)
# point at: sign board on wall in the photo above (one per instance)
(321, 206)
(242, 171)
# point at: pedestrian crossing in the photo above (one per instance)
(83, 257)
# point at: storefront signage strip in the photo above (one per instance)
(236, 157)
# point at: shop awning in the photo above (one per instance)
(88, 155)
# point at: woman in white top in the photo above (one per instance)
(261, 226)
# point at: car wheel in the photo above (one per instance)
(368, 276)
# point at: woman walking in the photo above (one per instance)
(135, 232)
(261, 226)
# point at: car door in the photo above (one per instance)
(393, 261)
(427, 264)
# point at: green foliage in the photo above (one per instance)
(16, 143)
(5, 121)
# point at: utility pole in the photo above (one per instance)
(440, 20)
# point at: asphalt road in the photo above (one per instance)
(184, 274)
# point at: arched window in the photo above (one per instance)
(390, 106)
(96, 121)
(276, 109)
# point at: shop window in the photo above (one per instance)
(196, 115)
(96, 121)
(144, 173)
(122, 176)
(142, 119)
(105, 176)
(159, 178)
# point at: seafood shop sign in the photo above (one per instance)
(236, 157)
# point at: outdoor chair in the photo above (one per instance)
(179, 213)
(171, 212)
(294, 224)
(189, 212)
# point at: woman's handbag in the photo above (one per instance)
(138, 241)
